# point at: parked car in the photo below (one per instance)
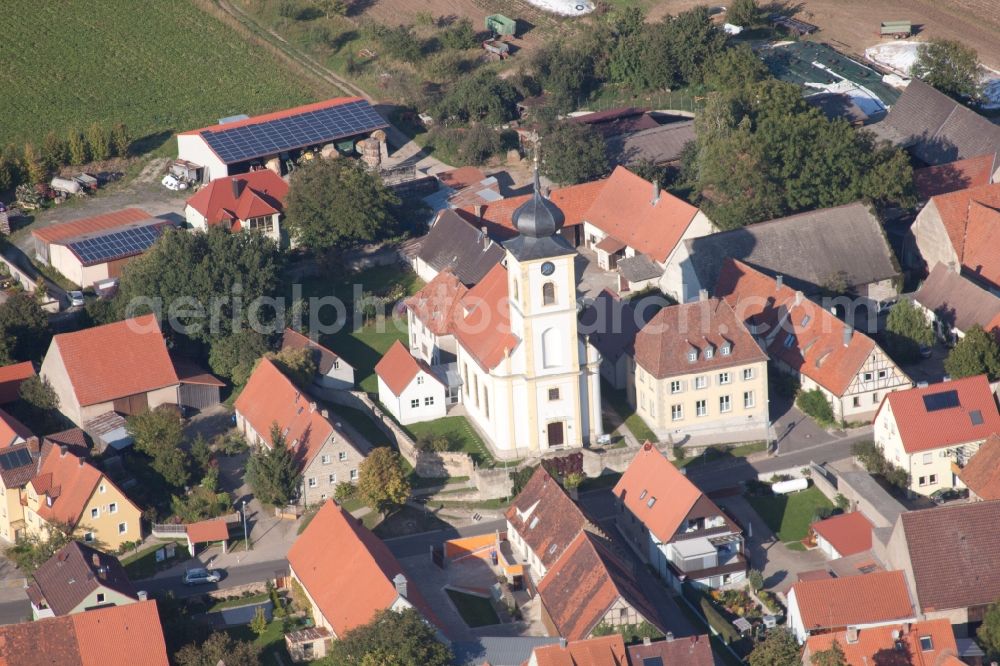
(76, 299)
(200, 576)
(171, 183)
(946, 495)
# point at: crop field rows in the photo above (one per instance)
(155, 66)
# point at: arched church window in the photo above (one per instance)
(548, 293)
(551, 348)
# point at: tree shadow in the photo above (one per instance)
(150, 142)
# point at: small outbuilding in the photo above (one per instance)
(408, 387)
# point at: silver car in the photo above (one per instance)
(199, 576)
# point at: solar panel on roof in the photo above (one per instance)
(15, 459)
(652, 661)
(116, 245)
(943, 400)
(305, 129)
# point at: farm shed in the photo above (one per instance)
(199, 389)
(275, 139)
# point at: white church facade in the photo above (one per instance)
(529, 382)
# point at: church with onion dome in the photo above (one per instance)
(524, 375)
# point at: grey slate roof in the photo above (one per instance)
(936, 128)
(658, 145)
(810, 249)
(454, 243)
(76, 570)
(498, 651)
(639, 268)
(956, 300)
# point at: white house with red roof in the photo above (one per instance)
(639, 230)
(931, 432)
(431, 316)
(409, 388)
(326, 455)
(240, 144)
(121, 368)
(250, 201)
(675, 527)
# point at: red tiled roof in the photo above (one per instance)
(971, 218)
(874, 643)
(115, 360)
(544, 516)
(69, 480)
(347, 570)
(625, 209)
(573, 201)
(959, 175)
(398, 368)
(921, 429)
(816, 349)
(121, 636)
(189, 372)
(651, 477)
(584, 584)
(11, 430)
(64, 230)
(848, 533)
(982, 473)
(603, 651)
(276, 115)
(437, 304)
(484, 331)
(128, 635)
(270, 397)
(262, 193)
(208, 531)
(11, 377)
(865, 599)
(461, 177)
(663, 344)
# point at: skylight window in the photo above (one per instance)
(806, 320)
(534, 521)
(926, 643)
(642, 495)
(789, 340)
(976, 416)
(651, 502)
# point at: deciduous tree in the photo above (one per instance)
(778, 649)
(951, 67)
(158, 433)
(833, 657)
(975, 354)
(272, 471)
(391, 638)
(299, 365)
(906, 330)
(25, 327)
(382, 481)
(335, 204)
(235, 356)
(989, 631)
(34, 162)
(744, 13)
(218, 648)
(573, 153)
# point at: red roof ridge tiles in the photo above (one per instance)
(602, 651)
(628, 210)
(881, 596)
(116, 360)
(354, 580)
(573, 201)
(436, 305)
(873, 643)
(650, 476)
(64, 230)
(398, 367)
(922, 430)
(276, 115)
(262, 193)
(848, 533)
(982, 473)
(11, 377)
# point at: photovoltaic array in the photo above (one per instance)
(15, 459)
(117, 244)
(304, 129)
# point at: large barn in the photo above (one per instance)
(241, 144)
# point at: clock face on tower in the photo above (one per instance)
(548, 268)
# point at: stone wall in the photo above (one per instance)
(492, 483)
(50, 305)
(596, 463)
(428, 464)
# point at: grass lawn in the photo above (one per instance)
(789, 516)
(155, 83)
(718, 453)
(475, 611)
(619, 402)
(143, 564)
(271, 642)
(361, 422)
(460, 435)
(364, 347)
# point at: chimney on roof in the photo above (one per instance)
(562, 642)
(142, 595)
(486, 238)
(95, 559)
(670, 636)
(33, 446)
(400, 582)
(62, 450)
(852, 634)
(324, 413)
(81, 461)
(779, 280)
(703, 294)
(798, 298)
(312, 407)
(646, 640)
(848, 334)
(236, 187)
(480, 209)
(656, 193)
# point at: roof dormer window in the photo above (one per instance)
(709, 352)
(726, 348)
(692, 356)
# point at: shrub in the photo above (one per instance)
(815, 404)
(344, 491)
(459, 35)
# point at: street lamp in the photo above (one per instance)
(246, 541)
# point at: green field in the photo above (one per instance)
(789, 516)
(460, 435)
(156, 66)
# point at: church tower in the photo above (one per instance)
(559, 370)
